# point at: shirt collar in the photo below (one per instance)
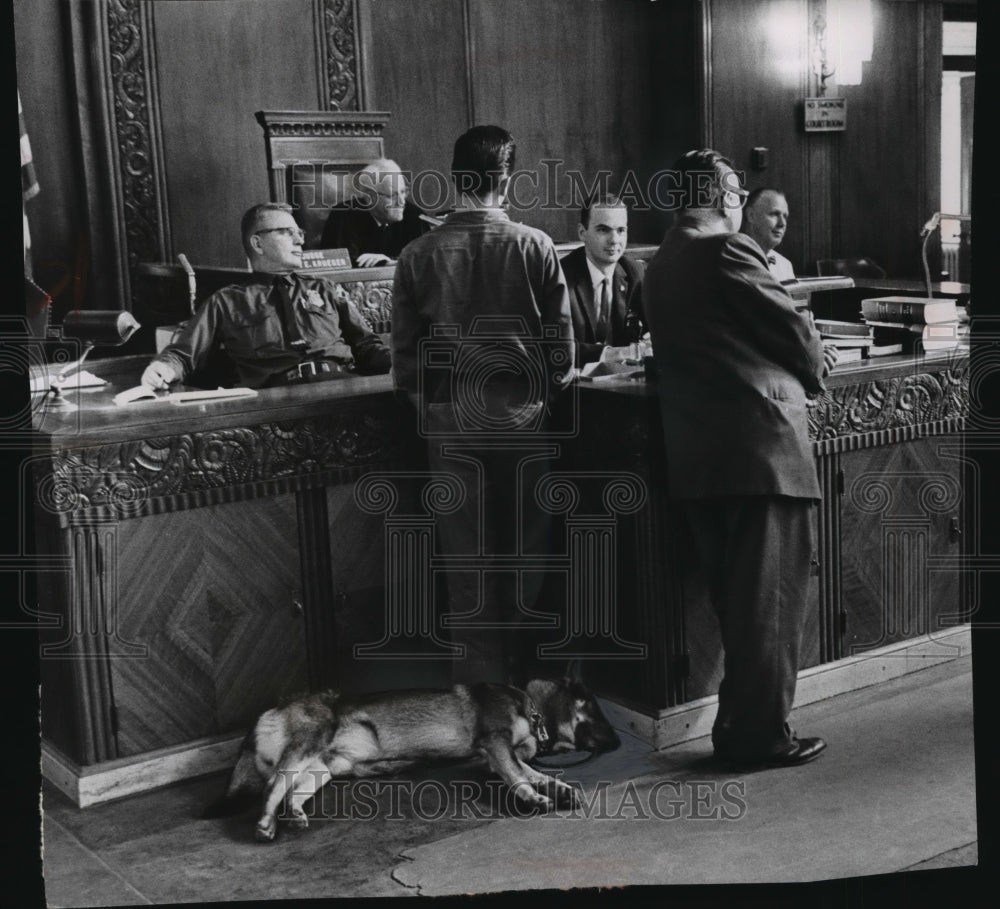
(596, 275)
(476, 216)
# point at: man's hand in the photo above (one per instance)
(370, 260)
(830, 357)
(158, 375)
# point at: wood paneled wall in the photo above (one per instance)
(569, 79)
(865, 191)
(141, 114)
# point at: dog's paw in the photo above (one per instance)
(266, 829)
(298, 819)
(527, 796)
(566, 796)
(562, 794)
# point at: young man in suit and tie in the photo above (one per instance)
(604, 284)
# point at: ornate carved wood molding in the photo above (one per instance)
(337, 36)
(373, 300)
(135, 120)
(892, 409)
(307, 124)
(131, 479)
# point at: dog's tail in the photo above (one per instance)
(245, 783)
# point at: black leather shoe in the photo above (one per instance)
(800, 751)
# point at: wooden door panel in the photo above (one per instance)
(210, 592)
(897, 511)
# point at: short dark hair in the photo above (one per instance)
(483, 156)
(600, 200)
(252, 218)
(700, 161)
(755, 194)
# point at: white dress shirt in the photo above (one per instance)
(779, 266)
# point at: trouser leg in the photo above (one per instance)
(759, 549)
(473, 595)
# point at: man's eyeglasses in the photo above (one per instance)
(296, 233)
(737, 191)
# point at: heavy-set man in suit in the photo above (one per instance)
(736, 362)
(765, 218)
(604, 284)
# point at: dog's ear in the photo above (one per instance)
(574, 671)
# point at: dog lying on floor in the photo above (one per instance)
(295, 749)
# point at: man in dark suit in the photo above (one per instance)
(379, 219)
(604, 284)
(736, 362)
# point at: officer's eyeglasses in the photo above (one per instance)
(296, 233)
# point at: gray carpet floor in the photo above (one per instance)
(895, 790)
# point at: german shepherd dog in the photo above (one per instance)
(295, 749)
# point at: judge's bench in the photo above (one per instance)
(205, 559)
(199, 561)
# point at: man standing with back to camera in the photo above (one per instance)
(490, 296)
(736, 361)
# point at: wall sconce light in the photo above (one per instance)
(822, 67)
(109, 328)
(842, 42)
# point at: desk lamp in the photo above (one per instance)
(933, 223)
(110, 328)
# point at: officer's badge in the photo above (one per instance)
(312, 300)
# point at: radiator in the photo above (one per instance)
(949, 260)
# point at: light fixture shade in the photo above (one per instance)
(849, 37)
(101, 326)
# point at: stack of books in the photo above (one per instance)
(853, 340)
(914, 324)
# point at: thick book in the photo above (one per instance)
(807, 285)
(845, 343)
(884, 350)
(914, 310)
(830, 328)
(919, 338)
(848, 354)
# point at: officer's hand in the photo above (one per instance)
(158, 375)
(370, 260)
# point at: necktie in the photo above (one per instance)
(284, 288)
(603, 310)
(772, 259)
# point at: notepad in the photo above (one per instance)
(145, 393)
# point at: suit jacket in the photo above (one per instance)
(736, 359)
(626, 295)
(354, 229)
